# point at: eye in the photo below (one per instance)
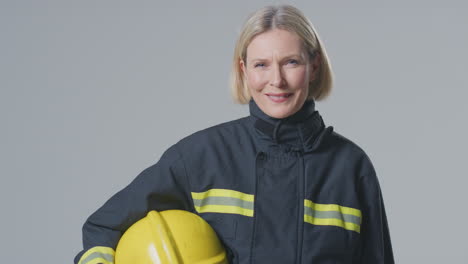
(259, 65)
(293, 61)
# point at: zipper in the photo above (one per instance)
(261, 156)
(300, 217)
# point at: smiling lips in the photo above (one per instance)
(278, 98)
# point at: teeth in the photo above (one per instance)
(277, 97)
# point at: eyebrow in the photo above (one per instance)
(285, 57)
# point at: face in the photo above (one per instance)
(278, 72)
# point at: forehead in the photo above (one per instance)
(275, 42)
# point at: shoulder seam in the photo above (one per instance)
(187, 178)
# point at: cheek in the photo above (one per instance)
(299, 78)
(297, 81)
(255, 80)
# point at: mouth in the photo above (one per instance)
(279, 98)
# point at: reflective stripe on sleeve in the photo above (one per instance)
(332, 214)
(104, 255)
(223, 201)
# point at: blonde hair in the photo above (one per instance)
(284, 17)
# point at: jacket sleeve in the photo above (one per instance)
(160, 187)
(376, 247)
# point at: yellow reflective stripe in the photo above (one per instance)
(332, 222)
(223, 193)
(224, 209)
(99, 261)
(332, 215)
(100, 252)
(332, 207)
(223, 201)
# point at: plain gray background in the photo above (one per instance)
(92, 92)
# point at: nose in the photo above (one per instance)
(276, 78)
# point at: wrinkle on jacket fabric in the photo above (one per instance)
(286, 190)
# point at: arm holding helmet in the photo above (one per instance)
(162, 186)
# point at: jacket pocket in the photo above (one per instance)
(224, 225)
(328, 244)
(331, 232)
(226, 228)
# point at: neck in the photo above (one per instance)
(297, 131)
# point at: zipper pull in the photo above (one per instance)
(261, 155)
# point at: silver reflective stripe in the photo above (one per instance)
(96, 255)
(333, 214)
(211, 200)
(223, 201)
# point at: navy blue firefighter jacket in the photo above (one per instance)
(292, 191)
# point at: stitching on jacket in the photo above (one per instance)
(255, 207)
(300, 226)
(187, 179)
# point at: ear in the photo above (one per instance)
(315, 66)
(242, 66)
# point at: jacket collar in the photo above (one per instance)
(296, 132)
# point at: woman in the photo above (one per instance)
(288, 189)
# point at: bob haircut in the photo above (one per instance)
(288, 18)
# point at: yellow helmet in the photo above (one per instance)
(172, 236)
